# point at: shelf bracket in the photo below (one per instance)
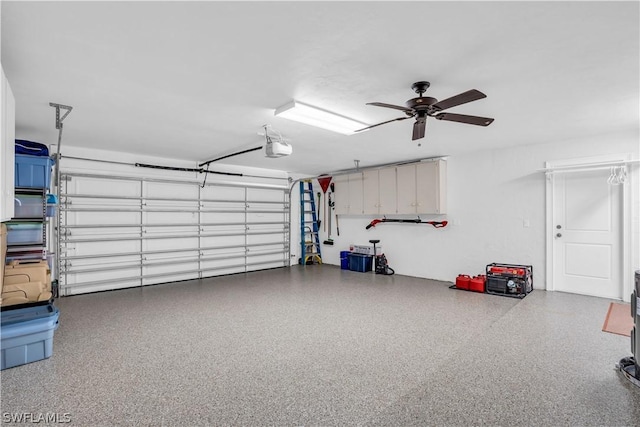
(58, 118)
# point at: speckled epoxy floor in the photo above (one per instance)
(317, 345)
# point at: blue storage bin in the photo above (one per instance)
(27, 334)
(33, 171)
(344, 260)
(360, 262)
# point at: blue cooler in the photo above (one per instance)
(27, 334)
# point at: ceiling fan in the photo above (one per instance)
(424, 106)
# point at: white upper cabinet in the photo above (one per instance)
(348, 195)
(406, 189)
(430, 187)
(416, 188)
(7, 149)
(421, 188)
(379, 191)
(370, 192)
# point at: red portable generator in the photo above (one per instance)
(509, 279)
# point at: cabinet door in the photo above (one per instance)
(430, 180)
(387, 191)
(371, 192)
(406, 189)
(341, 196)
(355, 194)
(7, 148)
(427, 187)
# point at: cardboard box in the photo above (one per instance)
(24, 271)
(24, 293)
(366, 250)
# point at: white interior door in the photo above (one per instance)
(586, 233)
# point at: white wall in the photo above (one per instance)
(491, 195)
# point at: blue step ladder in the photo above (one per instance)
(309, 235)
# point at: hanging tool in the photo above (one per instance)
(436, 224)
(330, 205)
(318, 209)
(333, 188)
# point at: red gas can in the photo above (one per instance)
(477, 284)
(462, 281)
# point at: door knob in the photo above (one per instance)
(559, 235)
(558, 226)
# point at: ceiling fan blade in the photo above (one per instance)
(384, 123)
(419, 128)
(462, 118)
(463, 98)
(396, 107)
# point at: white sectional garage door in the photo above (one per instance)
(118, 232)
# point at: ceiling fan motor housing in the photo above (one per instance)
(421, 103)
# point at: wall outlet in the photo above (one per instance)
(526, 223)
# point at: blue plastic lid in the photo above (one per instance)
(11, 316)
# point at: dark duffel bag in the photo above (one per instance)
(31, 148)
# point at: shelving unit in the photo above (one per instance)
(30, 213)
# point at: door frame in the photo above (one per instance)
(587, 164)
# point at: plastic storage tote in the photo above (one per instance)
(24, 233)
(360, 262)
(344, 260)
(28, 206)
(33, 171)
(27, 334)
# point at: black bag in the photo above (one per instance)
(31, 148)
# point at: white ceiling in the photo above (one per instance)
(194, 80)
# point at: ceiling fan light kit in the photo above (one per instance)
(314, 116)
(422, 107)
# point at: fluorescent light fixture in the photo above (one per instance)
(303, 113)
